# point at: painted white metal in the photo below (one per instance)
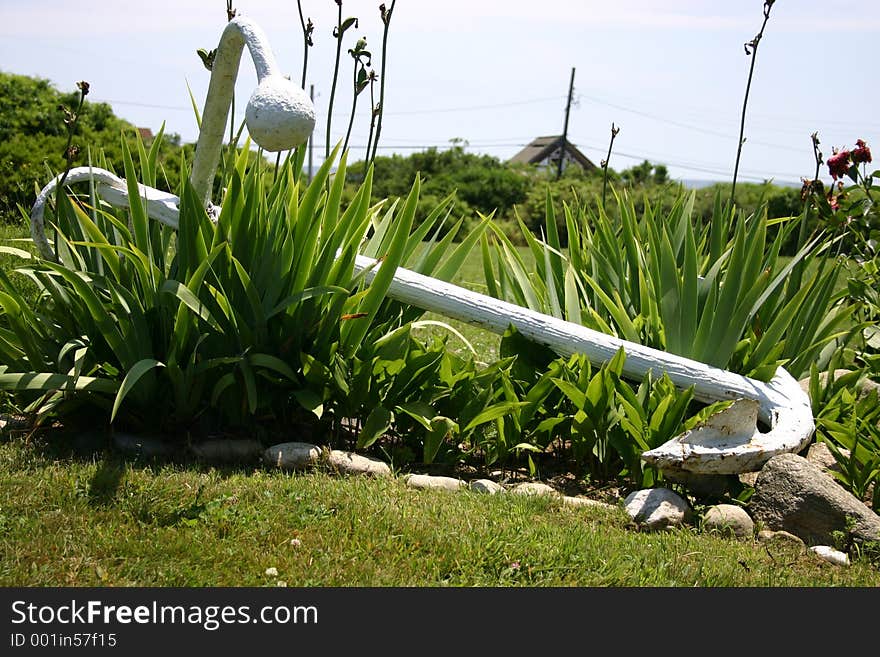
(160, 205)
(781, 404)
(279, 115)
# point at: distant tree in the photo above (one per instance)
(33, 136)
(661, 174)
(645, 173)
(482, 183)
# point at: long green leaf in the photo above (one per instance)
(133, 375)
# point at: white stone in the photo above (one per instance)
(729, 520)
(830, 555)
(292, 456)
(431, 482)
(357, 464)
(534, 488)
(585, 502)
(657, 508)
(781, 536)
(486, 486)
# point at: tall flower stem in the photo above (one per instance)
(374, 113)
(70, 120)
(307, 29)
(359, 81)
(70, 151)
(751, 49)
(386, 20)
(337, 32)
(614, 131)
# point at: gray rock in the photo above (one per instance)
(578, 502)
(350, 463)
(142, 446)
(795, 495)
(13, 423)
(227, 451)
(486, 486)
(830, 555)
(657, 508)
(534, 488)
(432, 482)
(292, 456)
(729, 520)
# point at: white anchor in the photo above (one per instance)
(280, 116)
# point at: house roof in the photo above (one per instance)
(541, 147)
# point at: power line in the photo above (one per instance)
(469, 108)
(178, 108)
(725, 115)
(478, 107)
(704, 167)
(687, 126)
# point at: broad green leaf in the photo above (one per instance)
(137, 371)
(310, 401)
(48, 382)
(494, 412)
(441, 429)
(377, 423)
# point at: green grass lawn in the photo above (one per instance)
(73, 520)
(485, 343)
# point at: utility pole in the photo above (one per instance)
(565, 127)
(311, 140)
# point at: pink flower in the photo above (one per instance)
(861, 153)
(838, 164)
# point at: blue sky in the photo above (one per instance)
(670, 74)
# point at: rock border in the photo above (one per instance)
(652, 509)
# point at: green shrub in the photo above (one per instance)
(215, 327)
(33, 137)
(720, 295)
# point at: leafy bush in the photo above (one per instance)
(215, 327)
(536, 404)
(480, 184)
(850, 425)
(33, 138)
(577, 189)
(721, 295)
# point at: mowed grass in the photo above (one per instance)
(74, 519)
(69, 520)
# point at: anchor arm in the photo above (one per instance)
(279, 115)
